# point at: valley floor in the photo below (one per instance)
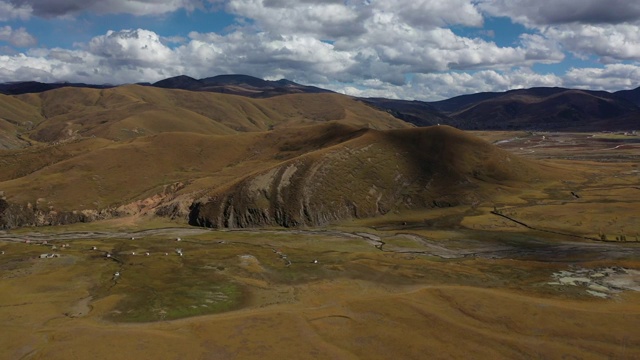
(549, 272)
(343, 293)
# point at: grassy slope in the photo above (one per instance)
(100, 148)
(132, 111)
(15, 117)
(122, 172)
(370, 174)
(568, 110)
(501, 308)
(97, 173)
(332, 171)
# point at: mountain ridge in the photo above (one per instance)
(480, 111)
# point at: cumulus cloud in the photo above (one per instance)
(339, 19)
(609, 42)
(326, 19)
(553, 12)
(10, 10)
(608, 29)
(387, 40)
(610, 77)
(48, 8)
(438, 86)
(402, 49)
(133, 47)
(141, 55)
(17, 37)
(263, 54)
(116, 57)
(428, 13)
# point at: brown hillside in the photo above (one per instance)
(132, 111)
(566, 110)
(291, 176)
(94, 174)
(16, 117)
(368, 175)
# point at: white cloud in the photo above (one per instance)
(9, 11)
(144, 7)
(401, 49)
(140, 55)
(17, 37)
(553, 12)
(132, 48)
(438, 86)
(608, 29)
(263, 54)
(618, 42)
(611, 77)
(324, 19)
(118, 57)
(429, 13)
(48, 8)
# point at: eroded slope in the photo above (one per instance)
(369, 175)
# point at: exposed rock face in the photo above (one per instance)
(15, 215)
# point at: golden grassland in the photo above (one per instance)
(471, 275)
(132, 111)
(235, 297)
(448, 282)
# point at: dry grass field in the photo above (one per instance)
(311, 294)
(399, 242)
(448, 282)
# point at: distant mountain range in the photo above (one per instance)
(243, 85)
(34, 87)
(551, 109)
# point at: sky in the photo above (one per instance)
(407, 49)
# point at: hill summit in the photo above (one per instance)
(238, 84)
(369, 173)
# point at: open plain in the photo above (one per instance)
(545, 271)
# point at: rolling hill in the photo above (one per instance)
(294, 175)
(237, 84)
(542, 109)
(630, 95)
(418, 113)
(76, 154)
(222, 160)
(550, 109)
(131, 111)
(28, 87)
(370, 173)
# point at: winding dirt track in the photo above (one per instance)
(537, 249)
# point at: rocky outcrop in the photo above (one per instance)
(16, 215)
(20, 215)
